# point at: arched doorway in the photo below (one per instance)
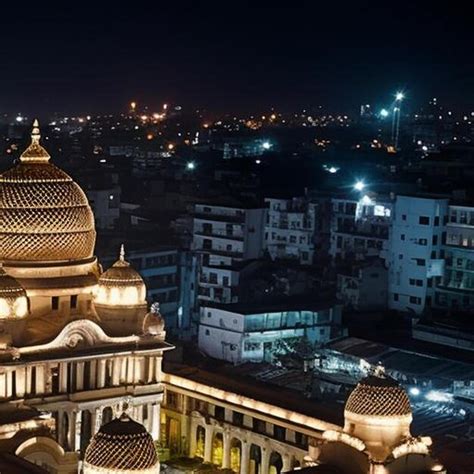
(235, 454)
(85, 429)
(217, 449)
(64, 442)
(255, 464)
(295, 463)
(276, 463)
(107, 415)
(200, 442)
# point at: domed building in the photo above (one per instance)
(47, 239)
(376, 437)
(71, 340)
(121, 446)
(119, 298)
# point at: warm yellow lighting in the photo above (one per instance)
(133, 105)
(149, 136)
(170, 146)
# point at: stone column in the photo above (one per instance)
(98, 418)
(71, 436)
(226, 450)
(20, 382)
(244, 457)
(40, 379)
(150, 369)
(62, 377)
(155, 421)
(9, 377)
(93, 374)
(157, 369)
(117, 362)
(265, 460)
(208, 443)
(77, 442)
(79, 376)
(192, 439)
(286, 459)
(101, 373)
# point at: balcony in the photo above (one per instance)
(220, 235)
(220, 217)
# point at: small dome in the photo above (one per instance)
(378, 395)
(13, 299)
(120, 285)
(154, 324)
(121, 446)
(45, 215)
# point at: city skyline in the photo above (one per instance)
(91, 61)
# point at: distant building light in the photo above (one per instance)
(266, 145)
(437, 396)
(19, 118)
(384, 113)
(258, 161)
(190, 165)
(359, 185)
(415, 391)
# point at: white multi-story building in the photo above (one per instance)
(415, 259)
(359, 228)
(240, 333)
(289, 231)
(456, 289)
(225, 237)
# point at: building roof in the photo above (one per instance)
(122, 444)
(45, 214)
(378, 395)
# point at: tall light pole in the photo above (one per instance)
(396, 116)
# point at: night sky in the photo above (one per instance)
(229, 56)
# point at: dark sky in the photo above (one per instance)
(230, 55)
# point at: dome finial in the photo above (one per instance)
(122, 253)
(35, 152)
(35, 133)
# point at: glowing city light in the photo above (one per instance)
(19, 119)
(384, 113)
(399, 96)
(415, 391)
(359, 185)
(258, 162)
(333, 169)
(437, 396)
(190, 165)
(266, 145)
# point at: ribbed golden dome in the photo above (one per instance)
(44, 214)
(13, 299)
(121, 285)
(378, 395)
(123, 445)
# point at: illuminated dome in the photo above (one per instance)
(120, 285)
(44, 214)
(121, 446)
(154, 324)
(13, 299)
(380, 396)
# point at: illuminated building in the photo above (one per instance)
(414, 258)
(71, 339)
(225, 236)
(79, 346)
(290, 228)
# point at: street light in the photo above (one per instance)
(190, 165)
(359, 185)
(399, 96)
(384, 113)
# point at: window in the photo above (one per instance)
(279, 433)
(436, 221)
(419, 261)
(402, 237)
(422, 242)
(207, 332)
(435, 240)
(424, 220)
(415, 300)
(293, 239)
(412, 281)
(55, 303)
(395, 297)
(237, 418)
(433, 254)
(400, 256)
(404, 217)
(73, 301)
(219, 413)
